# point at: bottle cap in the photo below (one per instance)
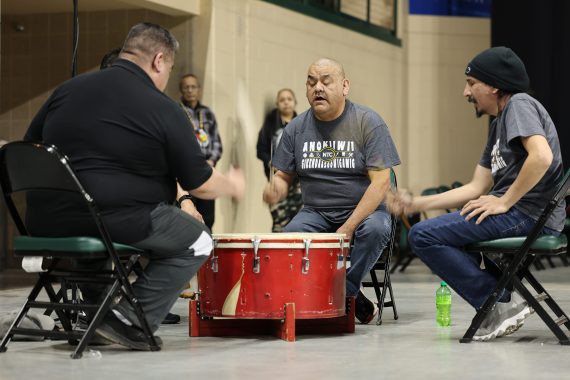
(443, 283)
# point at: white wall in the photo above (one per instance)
(248, 49)
(444, 140)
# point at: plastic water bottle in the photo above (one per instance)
(443, 305)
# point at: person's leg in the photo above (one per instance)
(438, 241)
(178, 246)
(370, 239)
(308, 220)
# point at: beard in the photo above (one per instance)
(478, 113)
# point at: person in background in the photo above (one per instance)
(109, 58)
(205, 127)
(267, 141)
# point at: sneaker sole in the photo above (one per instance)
(112, 336)
(508, 326)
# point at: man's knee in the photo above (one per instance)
(377, 228)
(421, 236)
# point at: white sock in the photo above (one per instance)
(203, 245)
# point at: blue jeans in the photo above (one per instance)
(370, 238)
(438, 242)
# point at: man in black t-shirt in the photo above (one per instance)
(129, 145)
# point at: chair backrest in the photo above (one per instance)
(26, 166)
(33, 166)
(559, 195)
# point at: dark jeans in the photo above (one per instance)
(439, 241)
(370, 238)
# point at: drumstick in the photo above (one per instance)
(271, 164)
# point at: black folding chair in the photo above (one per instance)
(515, 255)
(37, 167)
(383, 264)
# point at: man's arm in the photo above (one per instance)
(186, 204)
(277, 190)
(373, 196)
(534, 167)
(218, 185)
(480, 184)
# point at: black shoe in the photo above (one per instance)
(171, 319)
(365, 310)
(129, 336)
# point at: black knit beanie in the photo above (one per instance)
(501, 68)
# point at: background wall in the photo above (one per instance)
(255, 48)
(244, 51)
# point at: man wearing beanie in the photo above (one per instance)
(512, 183)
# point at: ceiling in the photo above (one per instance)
(58, 6)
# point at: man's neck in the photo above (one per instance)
(335, 116)
(503, 102)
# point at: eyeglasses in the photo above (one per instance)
(190, 88)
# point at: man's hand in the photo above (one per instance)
(347, 230)
(236, 177)
(271, 193)
(484, 206)
(400, 202)
(188, 207)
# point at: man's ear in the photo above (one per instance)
(158, 62)
(345, 86)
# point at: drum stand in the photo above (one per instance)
(285, 329)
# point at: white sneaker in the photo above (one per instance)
(504, 319)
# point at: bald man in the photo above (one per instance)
(342, 153)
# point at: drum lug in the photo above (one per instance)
(255, 242)
(214, 264)
(305, 261)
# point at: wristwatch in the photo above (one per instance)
(183, 198)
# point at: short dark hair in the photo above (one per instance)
(109, 58)
(149, 39)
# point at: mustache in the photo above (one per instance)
(471, 99)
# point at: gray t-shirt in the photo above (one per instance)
(332, 158)
(524, 116)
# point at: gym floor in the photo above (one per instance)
(409, 348)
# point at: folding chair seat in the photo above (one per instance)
(37, 167)
(515, 255)
(383, 265)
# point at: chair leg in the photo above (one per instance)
(542, 313)
(23, 311)
(548, 298)
(129, 295)
(409, 259)
(103, 309)
(392, 300)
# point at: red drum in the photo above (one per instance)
(254, 276)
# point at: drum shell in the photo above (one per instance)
(318, 293)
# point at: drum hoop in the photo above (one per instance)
(275, 245)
